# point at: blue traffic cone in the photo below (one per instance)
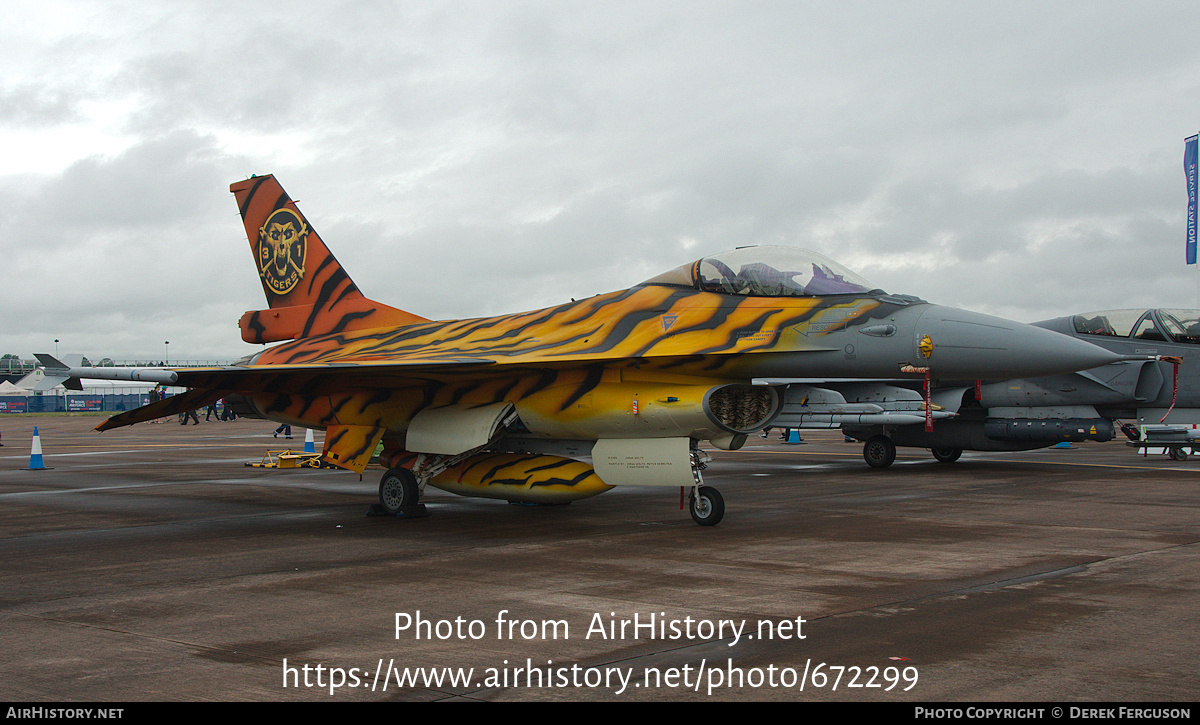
(35, 453)
(309, 446)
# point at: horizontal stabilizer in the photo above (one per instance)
(174, 405)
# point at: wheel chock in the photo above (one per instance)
(408, 512)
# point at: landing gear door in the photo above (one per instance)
(951, 400)
(644, 461)
(351, 446)
(456, 429)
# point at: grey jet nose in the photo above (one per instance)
(958, 343)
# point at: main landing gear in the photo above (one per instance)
(399, 494)
(400, 490)
(879, 452)
(946, 455)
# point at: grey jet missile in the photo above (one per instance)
(68, 373)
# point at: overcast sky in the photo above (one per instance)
(475, 158)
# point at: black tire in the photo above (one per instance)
(946, 455)
(879, 452)
(708, 508)
(398, 489)
(1178, 454)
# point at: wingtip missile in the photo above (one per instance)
(69, 375)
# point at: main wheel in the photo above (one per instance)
(946, 455)
(398, 489)
(879, 452)
(708, 508)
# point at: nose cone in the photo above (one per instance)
(956, 343)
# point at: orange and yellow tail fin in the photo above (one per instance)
(308, 292)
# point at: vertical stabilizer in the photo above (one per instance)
(307, 290)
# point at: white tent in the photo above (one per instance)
(7, 388)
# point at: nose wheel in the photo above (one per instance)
(707, 505)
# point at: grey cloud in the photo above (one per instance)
(31, 105)
(474, 158)
(171, 181)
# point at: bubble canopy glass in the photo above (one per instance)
(767, 272)
(1163, 325)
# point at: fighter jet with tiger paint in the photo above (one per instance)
(563, 403)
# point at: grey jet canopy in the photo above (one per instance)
(1140, 324)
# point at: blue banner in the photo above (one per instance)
(1189, 169)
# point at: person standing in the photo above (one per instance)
(155, 396)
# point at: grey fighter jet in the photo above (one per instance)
(1157, 381)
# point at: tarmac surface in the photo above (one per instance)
(149, 563)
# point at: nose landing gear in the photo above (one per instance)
(707, 505)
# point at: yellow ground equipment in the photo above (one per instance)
(290, 459)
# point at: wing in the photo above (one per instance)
(207, 385)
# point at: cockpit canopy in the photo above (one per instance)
(766, 272)
(1161, 325)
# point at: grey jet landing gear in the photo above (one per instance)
(705, 502)
(879, 452)
(946, 455)
(707, 505)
